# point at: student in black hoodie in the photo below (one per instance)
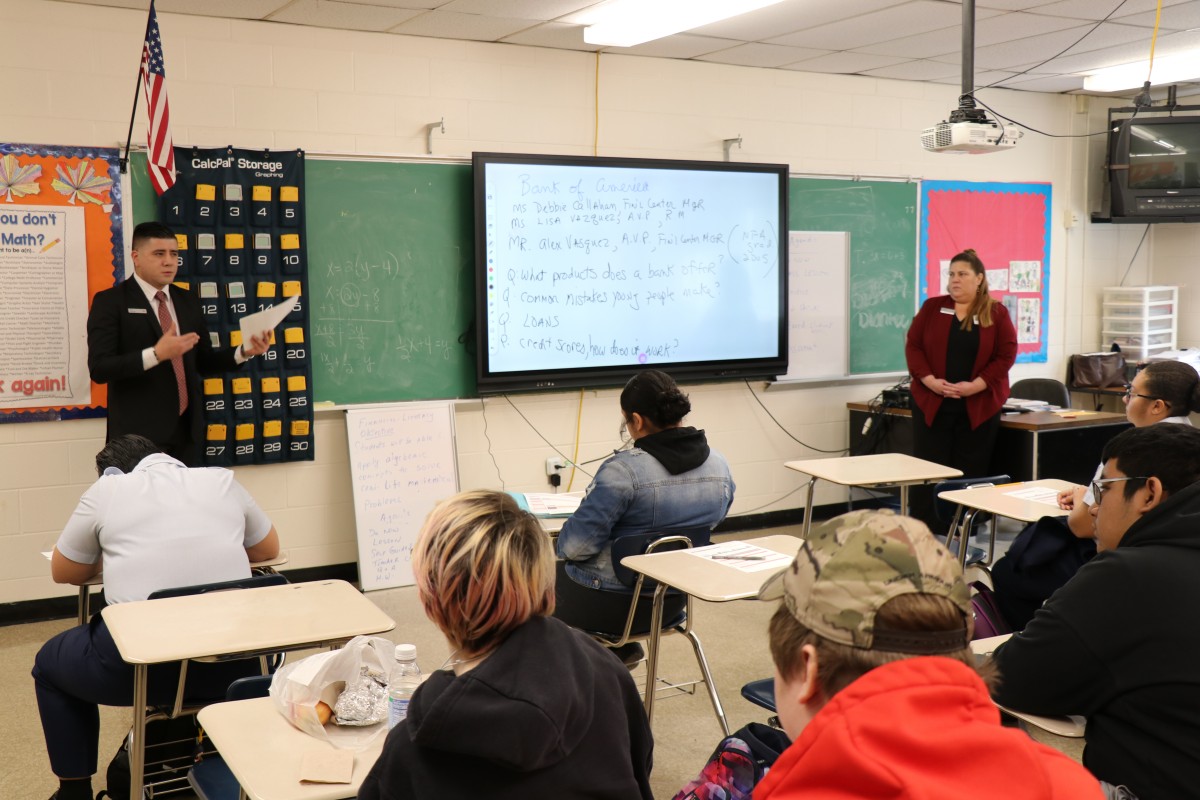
(525, 707)
(668, 480)
(1120, 642)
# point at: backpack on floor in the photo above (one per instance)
(988, 619)
(737, 765)
(172, 747)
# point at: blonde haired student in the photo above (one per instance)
(525, 706)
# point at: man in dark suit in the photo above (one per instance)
(147, 340)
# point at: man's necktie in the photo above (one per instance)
(164, 320)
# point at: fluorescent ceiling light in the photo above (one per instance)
(624, 23)
(1167, 70)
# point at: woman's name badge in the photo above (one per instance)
(947, 311)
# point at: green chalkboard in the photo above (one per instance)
(390, 263)
(390, 255)
(881, 218)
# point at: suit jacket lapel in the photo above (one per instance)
(136, 298)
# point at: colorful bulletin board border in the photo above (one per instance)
(1008, 225)
(86, 178)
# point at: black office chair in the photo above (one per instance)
(962, 522)
(1047, 390)
(677, 606)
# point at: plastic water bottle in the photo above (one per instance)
(406, 677)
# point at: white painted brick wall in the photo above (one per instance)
(256, 84)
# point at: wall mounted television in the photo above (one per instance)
(1154, 168)
(589, 269)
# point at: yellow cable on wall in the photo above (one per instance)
(1153, 39)
(578, 428)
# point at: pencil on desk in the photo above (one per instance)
(739, 558)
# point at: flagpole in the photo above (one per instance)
(137, 85)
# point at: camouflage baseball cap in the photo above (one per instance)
(851, 565)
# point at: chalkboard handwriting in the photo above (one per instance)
(882, 319)
(386, 265)
(878, 290)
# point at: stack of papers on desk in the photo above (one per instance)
(1029, 405)
(548, 504)
(743, 556)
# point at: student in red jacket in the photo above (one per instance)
(876, 684)
(959, 350)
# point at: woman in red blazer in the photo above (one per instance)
(959, 348)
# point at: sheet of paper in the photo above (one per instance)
(744, 556)
(327, 766)
(1036, 494)
(548, 504)
(267, 319)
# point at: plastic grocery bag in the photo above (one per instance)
(364, 666)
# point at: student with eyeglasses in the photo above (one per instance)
(1164, 391)
(1119, 643)
(1050, 551)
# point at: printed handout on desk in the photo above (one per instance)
(1036, 494)
(743, 556)
(548, 504)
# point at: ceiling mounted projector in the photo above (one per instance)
(982, 136)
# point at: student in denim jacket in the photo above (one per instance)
(669, 479)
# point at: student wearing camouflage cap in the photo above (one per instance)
(875, 680)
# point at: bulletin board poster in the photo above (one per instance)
(1008, 226)
(61, 242)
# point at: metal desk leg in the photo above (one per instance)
(656, 619)
(1034, 466)
(904, 499)
(85, 602)
(808, 506)
(965, 535)
(137, 744)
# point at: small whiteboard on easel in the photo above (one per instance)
(402, 462)
(818, 306)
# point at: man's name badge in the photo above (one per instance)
(136, 310)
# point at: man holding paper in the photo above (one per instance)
(147, 340)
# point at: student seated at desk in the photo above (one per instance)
(155, 524)
(525, 707)
(876, 683)
(1047, 553)
(1120, 642)
(668, 480)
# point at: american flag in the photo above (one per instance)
(154, 80)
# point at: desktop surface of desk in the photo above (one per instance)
(703, 578)
(264, 752)
(1072, 726)
(877, 469)
(1029, 446)
(707, 579)
(999, 500)
(245, 622)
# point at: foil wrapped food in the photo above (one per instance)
(365, 700)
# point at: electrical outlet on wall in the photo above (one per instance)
(555, 465)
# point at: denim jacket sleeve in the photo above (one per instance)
(590, 527)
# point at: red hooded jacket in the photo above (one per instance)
(920, 729)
